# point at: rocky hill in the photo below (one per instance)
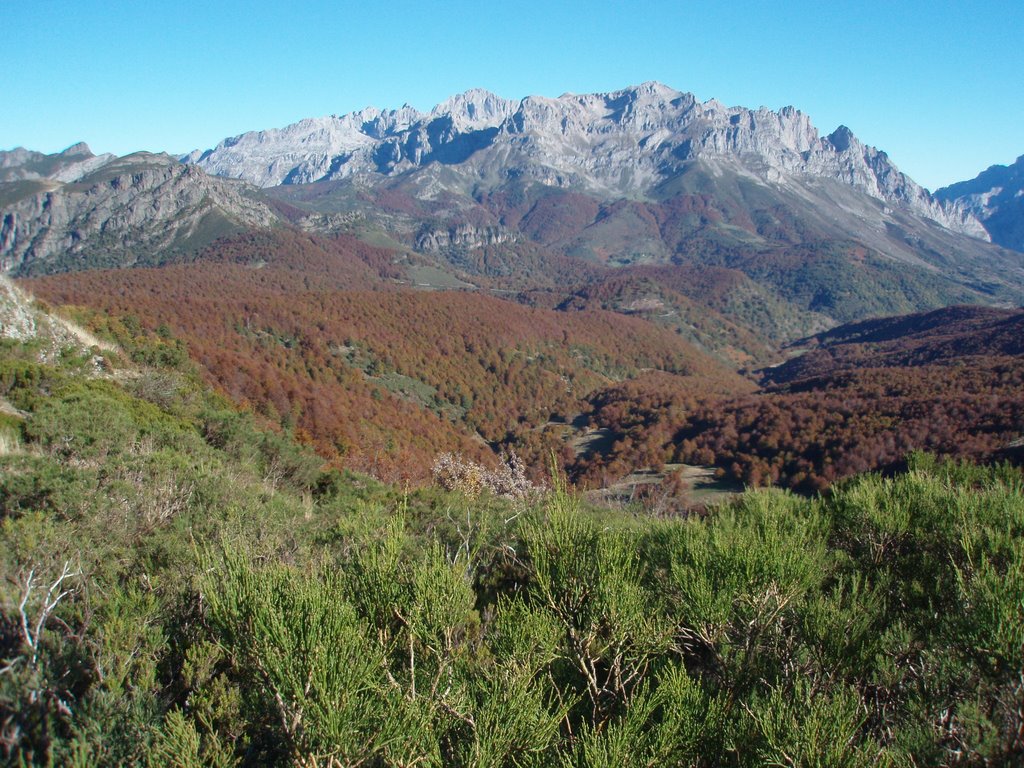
(74, 210)
(996, 198)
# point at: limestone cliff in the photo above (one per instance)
(106, 211)
(623, 143)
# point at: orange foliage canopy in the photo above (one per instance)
(378, 377)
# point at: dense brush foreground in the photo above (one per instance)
(182, 587)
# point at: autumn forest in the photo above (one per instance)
(321, 337)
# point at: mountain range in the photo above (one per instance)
(626, 143)
(491, 193)
(575, 260)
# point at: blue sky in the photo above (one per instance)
(938, 85)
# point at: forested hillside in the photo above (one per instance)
(322, 337)
(472, 302)
(860, 398)
(383, 380)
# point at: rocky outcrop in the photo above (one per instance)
(624, 143)
(18, 320)
(22, 320)
(438, 239)
(996, 197)
(371, 140)
(121, 212)
(842, 156)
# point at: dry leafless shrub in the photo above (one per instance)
(455, 472)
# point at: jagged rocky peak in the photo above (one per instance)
(81, 148)
(310, 150)
(779, 138)
(653, 113)
(640, 128)
(380, 123)
(644, 108)
(475, 109)
(996, 197)
(841, 138)
(71, 164)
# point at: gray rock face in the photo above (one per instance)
(620, 144)
(18, 321)
(437, 239)
(371, 140)
(105, 211)
(996, 197)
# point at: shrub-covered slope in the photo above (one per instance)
(183, 588)
(180, 586)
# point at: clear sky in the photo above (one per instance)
(938, 85)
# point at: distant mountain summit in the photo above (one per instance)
(996, 197)
(622, 143)
(646, 175)
(70, 165)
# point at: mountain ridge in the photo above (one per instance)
(545, 138)
(485, 193)
(643, 175)
(117, 211)
(996, 197)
